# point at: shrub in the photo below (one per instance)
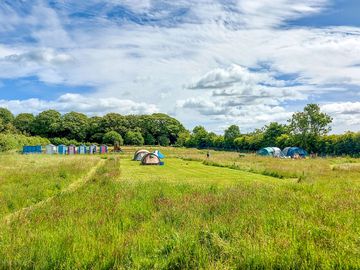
(10, 141)
(134, 138)
(113, 137)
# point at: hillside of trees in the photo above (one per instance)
(308, 129)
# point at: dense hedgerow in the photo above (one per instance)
(17, 141)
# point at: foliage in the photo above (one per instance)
(24, 122)
(113, 137)
(64, 141)
(307, 129)
(10, 141)
(164, 140)
(47, 124)
(75, 126)
(6, 116)
(231, 133)
(149, 139)
(308, 126)
(134, 138)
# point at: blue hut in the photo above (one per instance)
(82, 149)
(294, 151)
(62, 149)
(31, 149)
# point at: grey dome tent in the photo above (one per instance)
(150, 159)
(270, 151)
(292, 151)
(140, 154)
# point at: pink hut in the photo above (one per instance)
(72, 149)
(103, 149)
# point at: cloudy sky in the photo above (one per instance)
(208, 62)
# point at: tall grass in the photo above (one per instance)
(26, 180)
(186, 215)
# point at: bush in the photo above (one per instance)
(164, 141)
(10, 141)
(134, 138)
(64, 141)
(113, 137)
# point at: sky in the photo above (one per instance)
(205, 62)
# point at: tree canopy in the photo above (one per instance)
(308, 128)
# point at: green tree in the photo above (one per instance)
(24, 122)
(183, 138)
(47, 124)
(309, 125)
(95, 130)
(6, 116)
(149, 139)
(272, 132)
(231, 133)
(164, 140)
(113, 137)
(198, 137)
(75, 126)
(115, 122)
(134, 138)
(284, 140)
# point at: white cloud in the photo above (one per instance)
(80, 103)
(270, 13)
(214, 48)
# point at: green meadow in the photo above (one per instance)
(229, 211)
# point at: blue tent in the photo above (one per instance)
(270, 151)
(159, 154)
(29, 149)
(292, 151)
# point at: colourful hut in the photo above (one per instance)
(71, 149)
(32, 149)
(82, 149)
(92, 149)
(62, 149)
(50, 149)
(103, 149)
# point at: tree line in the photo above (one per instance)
(74, 127)
(308, 129)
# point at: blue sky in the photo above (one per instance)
(208, 62)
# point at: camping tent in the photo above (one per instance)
(50, 149)
(62, 149)
(159, 154)
(293, 151)
(140, 154)
(71, 149)
(82, 149)
(29, 149)
(92, 149)
(103, 149)
(150, 159)
(270, 151)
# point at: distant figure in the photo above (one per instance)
(208, 154)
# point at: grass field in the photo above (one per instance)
(227, 212)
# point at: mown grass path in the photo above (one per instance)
(180, 171)
(71, 188)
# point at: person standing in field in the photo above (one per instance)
(208, 154)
